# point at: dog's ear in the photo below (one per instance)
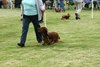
(43, 30)
(46, 30)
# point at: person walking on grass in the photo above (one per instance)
(78, 6)
(31, 12)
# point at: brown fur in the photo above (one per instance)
(49, 37)
(65, 16)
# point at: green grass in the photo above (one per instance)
(79, 45)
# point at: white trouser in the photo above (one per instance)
(78, 6)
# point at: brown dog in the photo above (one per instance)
(65, 16)
(49, 37)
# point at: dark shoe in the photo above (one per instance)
(21, 19)
(41, 42)
(20, 44)
(77, 16)
(98, 7)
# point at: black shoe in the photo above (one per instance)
(41, 42)
(21, 19)
(20, 44)
(98, 7)
(77, 16)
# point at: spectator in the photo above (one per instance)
(62, 5)
(17, 3)
(51, 4)
(47, 3)
(10, 3)
(0, 3)
(4, 2)
(87, 3)
(96, 4)
(69, 2)
(57, 4)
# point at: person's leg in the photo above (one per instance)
(0, 4)
(78, 10)
(98, 4)
(55, 3)
(24, 30)
(76, 6)
(62, 6)
(51, 4)
(76, 14)
(36, 27)
(95, 4)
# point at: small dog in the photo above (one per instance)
(48, 37)
(65, 16)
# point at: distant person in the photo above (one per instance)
(57, 4)
(96, 3)
(17, 3)
(87, 3)
(62, 5)
(0, 3)
(78, 6)
(47, 3)
(31, 12)
(5, 3)
(10, 3)
(51, 4)
(69, 3)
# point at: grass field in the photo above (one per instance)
(79, 45)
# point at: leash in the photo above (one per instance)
(45, 19)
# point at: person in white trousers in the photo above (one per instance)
(78, 6)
